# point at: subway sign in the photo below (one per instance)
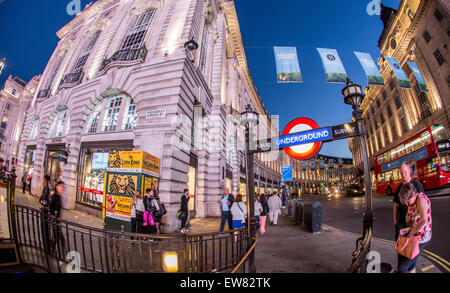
(303, 137)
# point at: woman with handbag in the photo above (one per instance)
(157, 211)
(413, 240)
(238, 212)
(148, 221)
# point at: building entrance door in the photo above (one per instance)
(55, 165)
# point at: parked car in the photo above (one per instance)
(354, 190)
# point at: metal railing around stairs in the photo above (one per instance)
(45, 242)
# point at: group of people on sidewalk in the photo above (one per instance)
(234, 211)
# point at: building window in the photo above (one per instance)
(386, 137)
(130, 119)
(203, 49)
(372, 110)
(93, 122)
(382, 118)
(392, 85)
(403, 125)
(112, 114)
(13, 92)
(438, 15)
(439, 57)
(398, 104)
(8, 106)
(60, 124)
(138, 30)
(113, 111)
(394, 132)
(425, 107)
(34, 129)
(384, 95)
(86, 52)
(378, 104)
(427, 37)
(389, 111)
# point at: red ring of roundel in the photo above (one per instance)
(311, 152)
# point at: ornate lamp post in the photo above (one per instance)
(249, 119)
(353, 95)
(2, 65)
(190, 45)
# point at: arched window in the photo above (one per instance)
(111, 112)
(60, 124)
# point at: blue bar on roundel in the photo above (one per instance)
(304, 137)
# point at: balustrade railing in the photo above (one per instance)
(125, 55)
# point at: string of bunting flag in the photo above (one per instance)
(288, 68)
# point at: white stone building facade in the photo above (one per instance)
(119, 61)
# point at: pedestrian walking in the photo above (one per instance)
(183, 212)
(45, 196)
(57, 238)
(263, 214)
(274, 203)
(258, 210)
(139, 212)
(238, 212)
(400, 210)
(24, 181)
(226, 202)
(134, 211)
(148, 223)
(157, 210)
(418, 219)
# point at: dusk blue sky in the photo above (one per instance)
(28, 37)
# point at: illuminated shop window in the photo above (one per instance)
(130, 119)
(112, 114)
(60, 124)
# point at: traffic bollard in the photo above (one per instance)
(313, 216)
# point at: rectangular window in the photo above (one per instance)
(394, 132)
(203, 52)
(138, 30)
(382, 118)
(403, 125)
(389, 111)
(392, 85)
(378, 104)
(398, 104)
(427, 37)
(438, 15)
(425, 107)
(8, 106)
(439, 58)
(372, 110)
(86, 52)
(386, 137)
(94, 123)
(384, 94)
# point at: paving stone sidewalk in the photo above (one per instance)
(286, 248)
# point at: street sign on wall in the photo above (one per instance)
(286, 173)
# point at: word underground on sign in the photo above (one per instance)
(303, 137)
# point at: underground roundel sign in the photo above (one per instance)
(302, 151)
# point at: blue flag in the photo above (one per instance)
(334, 69)
(403, 80)
(373, 74)
(288, 69)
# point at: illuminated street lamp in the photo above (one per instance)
(190, 45)
(354, 96)
(2, 65)
(249, 119)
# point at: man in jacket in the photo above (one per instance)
(184, 210)
(274, 203)
(45, 197)
(24, 181)
(225, 203)
(55, 210)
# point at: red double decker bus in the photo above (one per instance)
(428, 153)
